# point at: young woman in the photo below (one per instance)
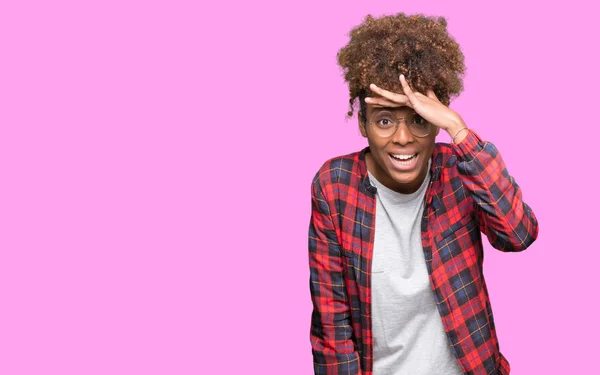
(395, 245)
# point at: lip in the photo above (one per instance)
(405, 167)
(402, 153)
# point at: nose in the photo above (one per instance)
(402, 135)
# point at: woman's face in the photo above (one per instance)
(401, 176)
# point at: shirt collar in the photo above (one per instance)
(365, 183)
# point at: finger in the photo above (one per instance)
(380, 103)
(395, 97)
(383, 102)
(423, 97)
(407, 90)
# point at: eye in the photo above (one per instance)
(419, 121)
(384, 120)
(385, 123)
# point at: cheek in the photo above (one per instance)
(377, 149)
(375, 143)
(430, 143)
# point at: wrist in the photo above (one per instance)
(460, 135)
(455, 126)
(457, 132)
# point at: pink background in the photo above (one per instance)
(156, 160)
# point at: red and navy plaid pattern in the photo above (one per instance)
(470, 193)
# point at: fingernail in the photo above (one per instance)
(373, 85)
(401, 76)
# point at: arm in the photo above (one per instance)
(507, 221)
(331, 331)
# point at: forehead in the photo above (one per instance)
(398, 111)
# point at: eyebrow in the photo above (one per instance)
(389, 109)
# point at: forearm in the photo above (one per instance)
(458, 131)
(333, 348)
(331, 354)
(508, 222)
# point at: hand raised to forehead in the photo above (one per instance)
(392, 99)
(427, 106)
(389, 98)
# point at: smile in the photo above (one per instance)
(404, 162)
(404, 157)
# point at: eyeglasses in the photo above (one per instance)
(385, 124)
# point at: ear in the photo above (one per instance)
(361, 125)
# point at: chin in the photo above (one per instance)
(405, 178)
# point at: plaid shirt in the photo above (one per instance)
(470, 192)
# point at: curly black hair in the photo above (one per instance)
(380, 49)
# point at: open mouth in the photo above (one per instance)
(404, 162)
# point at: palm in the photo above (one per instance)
(427, 106)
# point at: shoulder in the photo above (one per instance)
(341, 170)
(445, 164)
(443, 155)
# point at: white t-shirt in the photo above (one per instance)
(408, 334)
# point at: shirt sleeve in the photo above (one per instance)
(331, 331)
(508, 222)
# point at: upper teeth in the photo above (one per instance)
(403, 157)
